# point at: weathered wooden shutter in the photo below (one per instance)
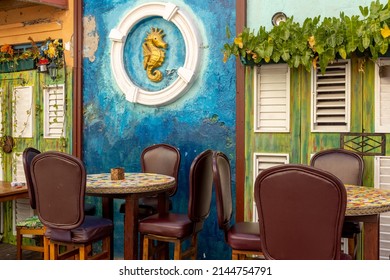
(382, 96)
(22, 115)
(54, 111)
(382, 181)
(272, 98)
(331, 98)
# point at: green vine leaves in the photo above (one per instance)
(315, 41)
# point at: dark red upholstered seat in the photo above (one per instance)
(60, 181)
(161, 159)
(242, 237)
(301, 212)
(177, 228)
(245, 236)
(348, 166)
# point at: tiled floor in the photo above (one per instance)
(8, 252)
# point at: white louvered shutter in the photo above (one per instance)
(382, 96)
(331, 98)
(262, 161)
(382, 181)
(272, 98)
(54, 111)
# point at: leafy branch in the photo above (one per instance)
(315, 41)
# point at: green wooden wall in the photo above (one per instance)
(300, 142)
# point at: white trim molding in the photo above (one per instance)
(186, 73)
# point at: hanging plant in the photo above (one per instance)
(315, 41)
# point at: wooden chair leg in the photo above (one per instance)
(83, 252)
(141, 247)
(46, 248)
(19, 240)
(107, 247)
(145, 248)
(352, 249)
(53, 251)
(177, 250)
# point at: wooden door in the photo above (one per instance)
(34, 113)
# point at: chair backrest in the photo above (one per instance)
(348, 166)
(301, 212)
(201, 184)
(28, 155)
(60, 182)
(162, 159)
(223, 190)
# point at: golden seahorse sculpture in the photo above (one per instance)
(153, 54)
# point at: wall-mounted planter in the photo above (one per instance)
(21, 65)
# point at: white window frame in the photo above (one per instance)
(315, 127)
(382, 126)
(275, 97)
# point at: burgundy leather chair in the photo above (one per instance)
(60, 181)
(301, 213)
(177, 228)
(348, 166)
(242, 237)
(161, 159)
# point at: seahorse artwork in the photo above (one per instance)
(154, 54)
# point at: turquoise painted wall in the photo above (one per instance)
(260, 12)
(116, 130)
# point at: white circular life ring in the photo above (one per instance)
(186, 73)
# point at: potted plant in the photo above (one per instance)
(12, 59)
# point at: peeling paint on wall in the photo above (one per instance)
(91, 38)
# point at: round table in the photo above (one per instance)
(366, 201)
(133, 183)
(131, 188)
(364, 204)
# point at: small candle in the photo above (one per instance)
(117, 173)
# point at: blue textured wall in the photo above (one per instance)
(116, 131)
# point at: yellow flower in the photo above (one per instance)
(385, 31)
(225, 57)
(312, 42)
(238, 42)
(51, 51)
(7, 49)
